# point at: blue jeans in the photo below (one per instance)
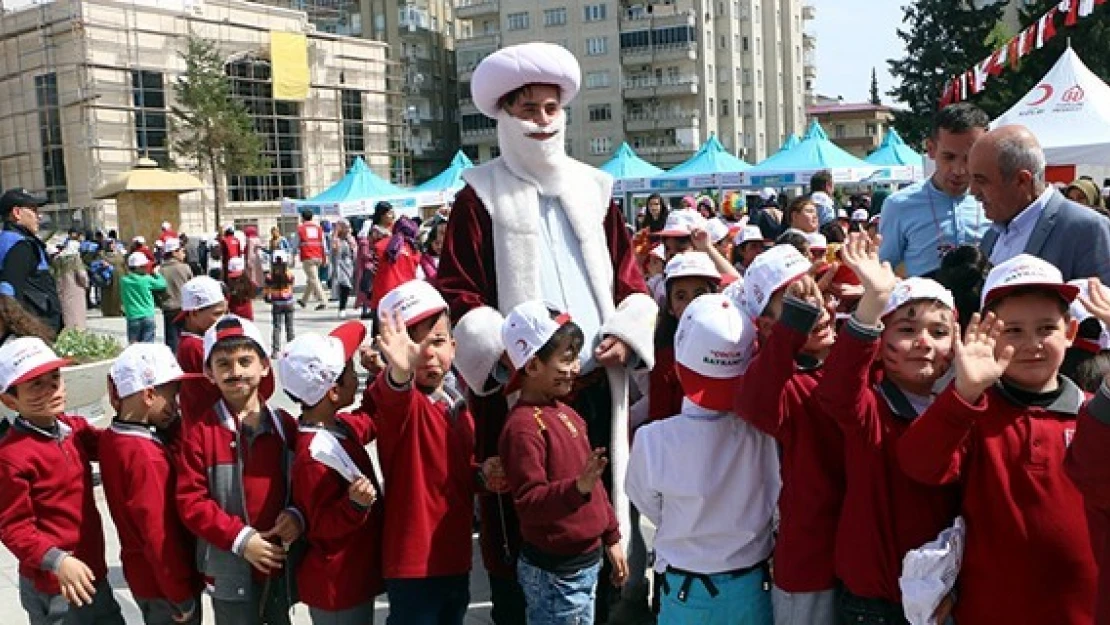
(141, 330)
(739, 600)
(558, 599)
(428, 600)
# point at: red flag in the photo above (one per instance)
(995, 62)
(1025, 41)
(1073, 13)
(1046, 28)
(1012, 52)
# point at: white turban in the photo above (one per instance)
(524, 64)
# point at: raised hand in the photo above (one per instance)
(1097, 301)
(861, 255)
(591, 473)
(397, 348)
(808, 290)
(979, 363)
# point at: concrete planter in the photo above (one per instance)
(86, 392)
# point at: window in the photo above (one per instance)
(840, 131)
(50, 134)
(593, 13)
(872, 130)
(744, 44)
(724, 41)
(747, 108)
(555, 17)
(517, 21)
(354, 133)
(597, 80)
(747, 81)
(724, 108)
(601, 145)
(712, 107)
(760, 105)
(596, 46)
(600, 112)
(472, 122)
(278, 123)
(148, 92)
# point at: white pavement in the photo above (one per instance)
(307, 320)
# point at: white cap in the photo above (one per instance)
(137, 259)
(171, 245)
(138, 238)
(312, 363)
(749, 234)
(146, 365)
(26, 358)
(767, 193)
(201, 292)
(659, 252)
(817, 241)
(860, 214)
(416, 300)
(841, 213)
(712, 348)
(1025, 270)
(735, 292)
(527, 328)
(691, 264)
(682, 222)
(769, 272)
(281, 255)
(915, 289)
(717, 230)
(229, 326)
(236, 266)
(166, 225)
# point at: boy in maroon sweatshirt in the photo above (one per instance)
(426, 448)
(795, 333)
(878, 377)
(1001, 431)
(156, 551)
(233, 482)
(566, 520)
(202, 303)
(340, 573)
(48, 515)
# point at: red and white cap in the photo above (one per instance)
(735, 292)
(171, 245)
(917, 289)
(682, 223)
(769, 272)
(748, 235)
(712, 349)
(236, 266)
(817, 241)
(527, 328)
(199, 293)
(146, 365)
(26, 358)
(137, 259)
(312, 363)
(860, 214)
(1025, 270)
(230, 326)
(691, 264)
(717, 230)
(659, 252)
(416, 300)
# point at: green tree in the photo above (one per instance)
(875, 99)
(942, 38)
(209, 126)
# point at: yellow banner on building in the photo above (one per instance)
(289, 56)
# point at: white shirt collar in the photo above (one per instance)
(1027, 218)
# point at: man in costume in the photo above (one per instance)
(537, 224)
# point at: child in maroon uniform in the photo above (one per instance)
(878, 377)
(233, 482)
(48, 515)
(795, 333)
(138, 476)
(1001, 432)
(202, 303)
(340, 573)
(566, 519)
(426, 447)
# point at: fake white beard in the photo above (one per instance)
(537, 161)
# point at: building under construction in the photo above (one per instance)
(86, 90)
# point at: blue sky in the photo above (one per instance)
(852, 37)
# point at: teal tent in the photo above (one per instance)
(354, 194)
(711, 166)
(629, 171)
(812, 154)
(449, 180)
(894, 151)
(790, 142)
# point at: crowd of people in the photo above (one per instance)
(797, 395)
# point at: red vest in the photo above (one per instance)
(311, 237)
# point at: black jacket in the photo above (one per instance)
(26, 269)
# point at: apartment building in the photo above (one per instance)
(858, 127)
(663, 76)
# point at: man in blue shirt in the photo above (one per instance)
(924, 221)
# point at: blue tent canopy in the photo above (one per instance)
(894, 151)
(627, 164)
(812, 154)
(790, 143)
(711, 158)
(354, 194)
(448, 180)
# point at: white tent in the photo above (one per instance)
(1069, 112)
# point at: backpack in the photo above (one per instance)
(100, 272)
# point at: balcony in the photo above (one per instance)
(660, 16)
(479, 41)
(466, 105)
(649, 87)
(809, 71)
(660, 120)
(645, 55)
(470, 9)
(479, 136)
(809, 12)
(809, 42)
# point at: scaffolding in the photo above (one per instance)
(94, 48)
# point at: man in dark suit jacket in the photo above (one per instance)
(1007, 176)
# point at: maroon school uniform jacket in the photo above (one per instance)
(426, 449)
(885, 512)
(1027, 558)
(777, 397)
(47, 506)
(342, 566)
(1088, 464)
(543, 449)
(664, 390)
(157, 552)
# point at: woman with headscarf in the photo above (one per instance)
(1087, 193)
(256, 273)
(398, 259)
(73, 281)
(433, 245)
(343, 250)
